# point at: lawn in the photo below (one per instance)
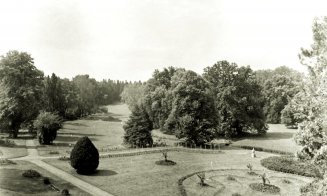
(278, 137)
(143, 177)
(13, 183)
(104, 134)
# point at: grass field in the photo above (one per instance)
(104, 134)
(143, 177)
(278, 137)
(13, 183)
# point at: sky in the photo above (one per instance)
(129, 39)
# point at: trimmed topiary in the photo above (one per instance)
(65, 192)
(84, 157)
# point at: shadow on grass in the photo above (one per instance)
(100, 172)
(267, 136)
(80, 134)
(75, 124)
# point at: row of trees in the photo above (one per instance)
(225, 101)
(24, 92)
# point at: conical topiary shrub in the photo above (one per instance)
(84, 156)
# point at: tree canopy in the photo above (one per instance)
(21, 90)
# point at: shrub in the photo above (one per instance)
(31, 174)
(46, 180)
(266, 188)
(230, 178)
(65, 192)
(47, 125)
(236, 194)
(286, 181)
(167, 162)
(289, 165)
(7, 143)
(53, 152)
(84, 157)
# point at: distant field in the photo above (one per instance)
(278, 137)
(143, 177)
(104, 134)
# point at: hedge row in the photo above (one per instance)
(288, 164)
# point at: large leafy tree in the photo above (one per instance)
(54, 95)
(278, 91)
(193, 115)
(21, 89)
(238, 99)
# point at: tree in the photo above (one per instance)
(84, 157)
(193, 114)
(21, 90)
(54, 95)
(279, 87)
(47, 124)
(133, 94)
(278, 91)
(138, 128)
(239, 100)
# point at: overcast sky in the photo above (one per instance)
(128, 39)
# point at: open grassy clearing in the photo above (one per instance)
(104, 134)
(142, 176)
(219, 184)
(13, 183)
(278, 137)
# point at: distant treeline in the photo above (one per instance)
(25, 91)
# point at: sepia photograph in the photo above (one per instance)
(163, 98)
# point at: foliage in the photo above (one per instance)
(20, 91)
(84, 157)
(31, 174)
(7, 143)
(133, 94)
(265, 188)
(138, 128)
(193, 114)
(229, 177)
(288, 164)
(165, 162)
(279, 87)
(238, 98)
(47, 125)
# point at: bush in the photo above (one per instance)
(103, 109)
(286, 181)
(288, 164)
(165, 162)
(84, 156)
(7, 143)
(46, 180)
(230, 178)
(31, 174)
(47, 125)
(65, 192)
(267, 188)
(236, 194)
